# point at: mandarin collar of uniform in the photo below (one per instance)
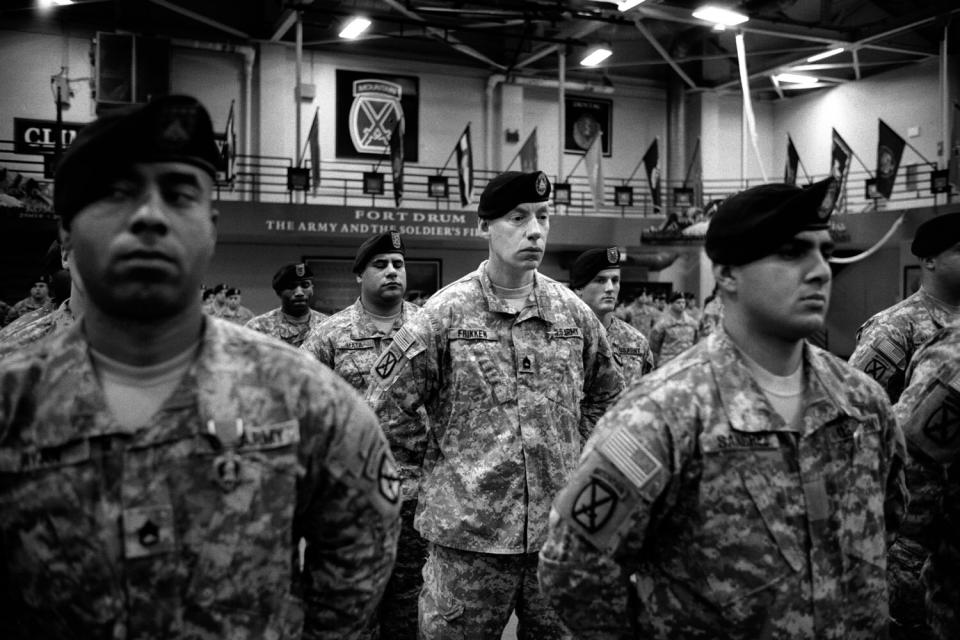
(942, 315)
(362, 327)
(543, 307)
(747, 406)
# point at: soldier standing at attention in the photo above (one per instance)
(747, 489)
(163, 473)
(514, 371)
(886, 342)
(885, 347)
(219, 303)
(234, 311)
(595, 277)
(294, 319)
(674, 332)
(349, 342)
(929, 410)
(38, 300)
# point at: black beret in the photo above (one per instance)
(591, 262)
(676, 295)
(170, 128)
(755, 222)
(936, 235)
(289, 275)
(508, 190)
(220, 287)
(386, 242)
(233, 292)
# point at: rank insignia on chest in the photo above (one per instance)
(226, 470)
(147, 531)
(526, 363)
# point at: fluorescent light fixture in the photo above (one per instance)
(354, 28)
(825, 54)
(596, 56)
(626, 5)
(796, 78)
(719, 15)
(46, 4)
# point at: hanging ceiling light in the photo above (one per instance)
(719, 16)
(795, 78)
(47, 4)
(354, 28)
(825, 54)
(596, 55)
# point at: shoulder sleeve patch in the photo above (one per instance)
(391, 362)
(934, 426)
(631, 457)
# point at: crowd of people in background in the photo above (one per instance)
(175, 466)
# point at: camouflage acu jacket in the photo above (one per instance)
(729, 522)
(241, 315)
(887, 341)
(510, 397)
(929, 410)
(36, 330)
(274, 323)
(259, 502)
(671, 336)
(630, 350)
(349, 343)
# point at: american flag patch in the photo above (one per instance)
(890, 350)
(403, 340)
(628, 454)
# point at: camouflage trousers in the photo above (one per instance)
(396, 616)
(907, 612)
(469, 596)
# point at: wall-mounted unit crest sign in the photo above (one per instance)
(369, 105)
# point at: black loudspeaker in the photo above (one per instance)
(130, 69)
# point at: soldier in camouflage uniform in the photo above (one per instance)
(234, 489)
(38, 300)
(885, 346)
(674, 332)
(595, 277)
(712, 315)
(234, 311)
(929, 411)
(218, 303)
(294, 319)
(513, 370)
(748, 488)
(349, 342)
(887, 341)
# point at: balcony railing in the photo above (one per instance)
(264, 179)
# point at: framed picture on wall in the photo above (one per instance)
(335, 285)
(584, 119)
(911, 280)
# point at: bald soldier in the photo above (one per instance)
(349, 342)
(294, 319)
(513, 371)
(595, 277)
(748, 488)
(164, 473)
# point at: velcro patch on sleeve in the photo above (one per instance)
(891, 351)
(934, 426)
(391, 362)
(598, 502)
(631, 457)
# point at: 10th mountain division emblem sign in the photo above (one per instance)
(374, 113)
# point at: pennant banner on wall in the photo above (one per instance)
(595, 169)
(840, 156)
(889, 151)
(227, 163)
(651, 162)
(313, 139)
(396, 160)
(465, 167)
(528, 153)
(793, 161)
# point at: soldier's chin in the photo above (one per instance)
(142, 306)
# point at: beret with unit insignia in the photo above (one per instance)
(508, 190)
(289, 275)
(936, 235)
(168, 129)
(232, 291)
(591, 262)
(754, 223)
(387, 242)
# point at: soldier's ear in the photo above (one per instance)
(483, 227)
(725, 277)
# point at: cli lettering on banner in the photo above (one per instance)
(39, 136)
